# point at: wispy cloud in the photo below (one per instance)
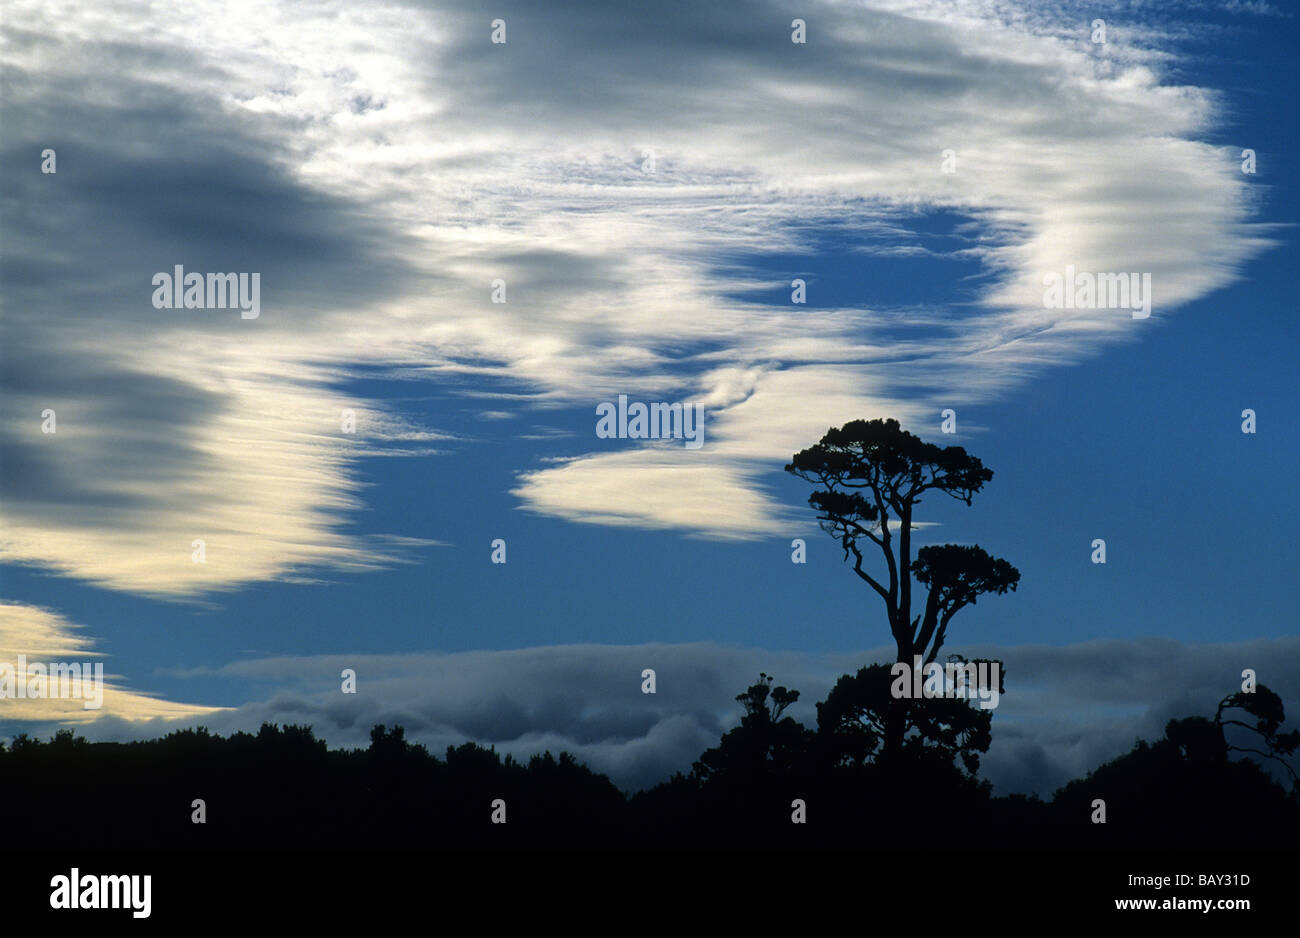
(382, 165)
(44, 638)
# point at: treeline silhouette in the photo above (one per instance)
(284, 788)
(884, 767)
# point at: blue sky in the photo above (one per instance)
(377, 236)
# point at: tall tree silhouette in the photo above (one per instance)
(872, 475)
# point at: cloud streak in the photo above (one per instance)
(45, 638)
(381, 166)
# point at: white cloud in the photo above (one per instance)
(386, 163)
(44, 638)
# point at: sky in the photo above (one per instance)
(647, 180)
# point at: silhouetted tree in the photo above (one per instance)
(765, 744)
(1184, 790)
(1266, 707)
(851, 724)
(872, 476)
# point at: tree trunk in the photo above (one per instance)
(895, 726)
(896, 715)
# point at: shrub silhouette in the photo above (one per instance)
(1184, 790)
(851, 724)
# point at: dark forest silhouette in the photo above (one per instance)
(283, 788)
(878, 770)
